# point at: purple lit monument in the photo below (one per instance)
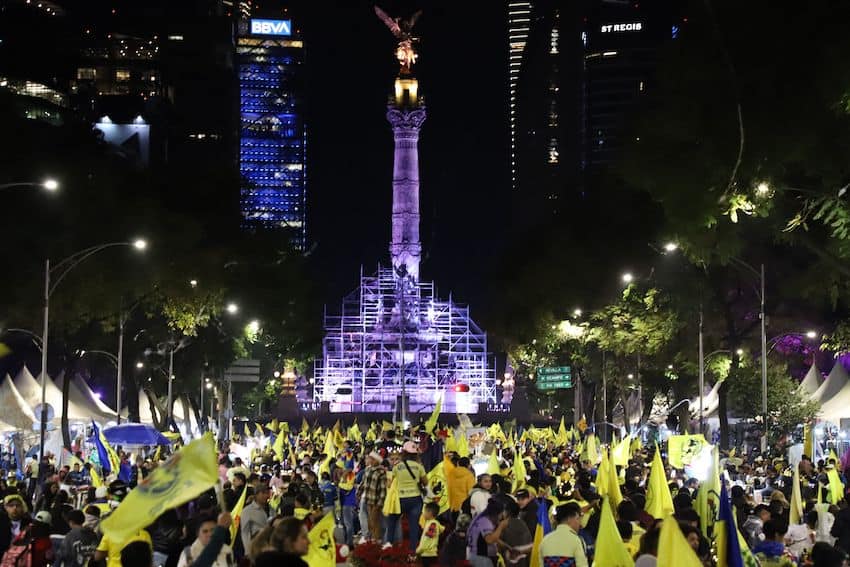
(395, 346)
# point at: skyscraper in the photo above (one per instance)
(273, 135)
(577, 74)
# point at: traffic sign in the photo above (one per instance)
(554, 378)
(243, 370)
(559, 385)
(554, 370)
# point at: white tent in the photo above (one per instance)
(145, 415)
(710, 401)
(84, 400)
(16, 413)
(30, 390)
(184, 415)
(87, 392)
(837, 406)
(833, 384)
(811, 382)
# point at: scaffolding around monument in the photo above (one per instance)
(390, 319)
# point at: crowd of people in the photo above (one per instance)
(539, 503)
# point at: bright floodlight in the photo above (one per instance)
(762, 188)
(232, 308)
(140, 365)
(577, 312)
(140, 244)
(50, 184)
(193, 283)
(628, 278)
(811, 334)
(671, 247)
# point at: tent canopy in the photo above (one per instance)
(833, 384)
(134, 434)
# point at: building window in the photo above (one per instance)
(122, 75)
(86, 73)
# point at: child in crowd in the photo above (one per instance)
(429, 542)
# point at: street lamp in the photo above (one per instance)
(627, 277)
(53, 276)
(576, 312)
(671, 247)
(49, 185)
(232, 308)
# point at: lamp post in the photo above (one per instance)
(59, 271)
(49, 185)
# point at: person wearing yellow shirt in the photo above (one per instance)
(430, 540)
(111, 550)
(460, 481)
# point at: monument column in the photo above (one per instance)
(406, 114)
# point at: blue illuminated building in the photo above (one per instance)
(273, 136)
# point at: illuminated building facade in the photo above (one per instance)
(574, 86)
(396, 346)
(272, 135)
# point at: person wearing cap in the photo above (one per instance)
(563, 544)
(14, 521)
(37, 536)
(412, 480)
(373, 490)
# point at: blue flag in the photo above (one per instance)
(125, 472)
(732, 545)
(102, 454)
(543, 528)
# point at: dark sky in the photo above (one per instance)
(463, 145)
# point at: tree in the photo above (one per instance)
(787, 407)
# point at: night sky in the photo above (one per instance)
(463, 146)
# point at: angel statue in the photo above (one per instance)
(402, 31)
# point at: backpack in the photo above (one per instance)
(19, 554)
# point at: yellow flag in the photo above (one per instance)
(462, 445)
(437, 477)
(707, 503)
(278, 446)
(339, 440)
(614, 492)
(386, 426)
(796, 511)
(96, 481)
(602, 476)
(681, 449)
(114, 461)
(354, 433)
(519, 473)
(330, 448)
(493, 465)
(431, 422)
(808, 441)
(620, 453)
(659, 502)
(274, 425)
(451, 442)
(610, 549)
(836, 487)
(591, 446)
(322, 550)
(236, 514)
(245, 431)
(188, 473)
(305, 427)
(673, 549)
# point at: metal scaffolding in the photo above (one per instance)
(393, 326)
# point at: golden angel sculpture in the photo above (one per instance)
(402, 30)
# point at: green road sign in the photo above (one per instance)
(555, 385)
(554, 370)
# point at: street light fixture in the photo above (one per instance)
(140, 365)
(50, 185)
(628, 277)
(811, 334)
(140, 244)
(577, 312)
(53, 276)
(671, 247)
(232, 308)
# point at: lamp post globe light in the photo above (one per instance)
(53, 276)
(50, 185)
